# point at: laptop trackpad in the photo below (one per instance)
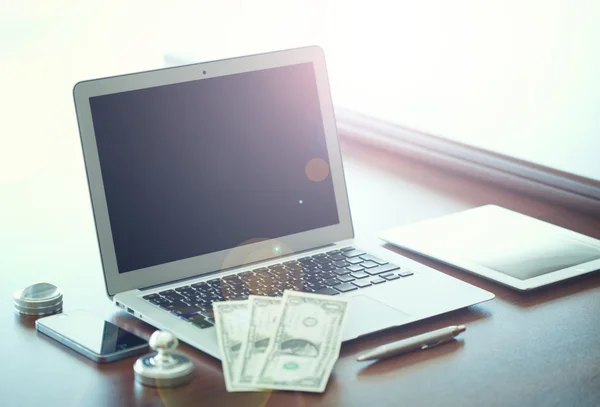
(367, 315)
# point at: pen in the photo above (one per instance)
(422, 342)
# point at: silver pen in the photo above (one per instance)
(422, 342)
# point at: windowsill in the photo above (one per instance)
(562, 188)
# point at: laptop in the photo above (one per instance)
(219, 180)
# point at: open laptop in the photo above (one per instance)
(215, 181)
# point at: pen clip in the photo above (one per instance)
(431, 345)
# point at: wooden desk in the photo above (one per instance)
(522, 349)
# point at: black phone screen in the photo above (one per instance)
(92, 332)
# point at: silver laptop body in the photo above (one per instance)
(223, 179)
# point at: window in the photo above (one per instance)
(509, 85)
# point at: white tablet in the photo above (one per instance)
(501, 245)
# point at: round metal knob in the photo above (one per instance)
(163, 368)
(163, 340)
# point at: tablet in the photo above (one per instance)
(505, 246)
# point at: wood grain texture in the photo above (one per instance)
(540, 348)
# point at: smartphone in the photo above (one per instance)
(92, 336)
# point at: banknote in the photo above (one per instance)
(231, 321)
(305, 345)
(264, 313)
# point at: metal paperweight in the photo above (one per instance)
(163, 368)
(38, 299)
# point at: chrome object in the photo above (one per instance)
(163, 368)
(38, 299)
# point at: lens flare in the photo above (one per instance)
(260, 282)
(317, 170)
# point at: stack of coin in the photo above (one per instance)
(38, 299)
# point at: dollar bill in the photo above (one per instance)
(305, 345)
(264, 313)
(231, 321)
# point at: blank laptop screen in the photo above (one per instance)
(202, 166)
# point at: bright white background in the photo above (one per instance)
(518, 77)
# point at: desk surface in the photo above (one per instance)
(522, 349)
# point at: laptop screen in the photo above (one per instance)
(202, 166)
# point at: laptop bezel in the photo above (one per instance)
(248, 253)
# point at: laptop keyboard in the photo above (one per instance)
(331, 273)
